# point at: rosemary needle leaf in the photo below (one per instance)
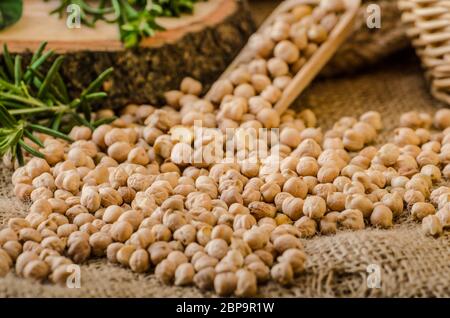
(95, 85)
(30, 150)
(8, 60)
(18, 70)
(19, 155)
(33, 138)
(50, 76)
(49, 131)
(38, 52)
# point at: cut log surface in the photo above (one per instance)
(199, 45)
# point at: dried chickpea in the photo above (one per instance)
(381, 216)
(314, 207)
(420, 210)
(431, 225)
(282, 273)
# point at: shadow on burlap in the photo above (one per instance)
(411, 265)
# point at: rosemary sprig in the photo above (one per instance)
(136, 19)
(33, 99)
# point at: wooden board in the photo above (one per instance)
(37, 26)
(199, 45)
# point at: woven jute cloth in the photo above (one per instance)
(410, 264)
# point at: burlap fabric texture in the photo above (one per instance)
(411, 264)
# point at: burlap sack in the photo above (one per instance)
(411, 265)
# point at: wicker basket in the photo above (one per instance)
(428, 26)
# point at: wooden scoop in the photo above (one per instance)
(313, 66)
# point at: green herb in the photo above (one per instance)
(36, 100)
(136, 18)
(10, 12)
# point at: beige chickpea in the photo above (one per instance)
(290, 137)
(442, 119)
(406, 165)
(328, 224)
(109, 196)
(261, 45)
(220, 89)
(271, 94)
(307, 166)
(217, 248)
(139, 261)
(279, 31)
(317, 33)
(282, 82)
(36, 166)
(239, 76)
(282, 273)
(260, 82)
(351, 219)
(244, 90)
(381, 216)
(431, 225)
(13, 249)
(124, 254)
(36, 269)
(336, 201)
(293, 208)
(286, 51)
(394, 202)
(190, 86)
(405, 136)
(359, 202)
(296, 258)
(79, 250)
(269, 118)
(255, 238)
(353, 140)
(314, 207)
(119, 150)
(432, 171)
(184, 274)
(308, 148)
(90, 198)
(285, 242)
(420, 210)
(443, 215)
(225, 283)
(427, 158)
(205, 278)
(99, 243)
(296, 186)
(246, 283)
(121, 231)
(277, 67)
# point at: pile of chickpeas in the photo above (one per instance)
(154, 192)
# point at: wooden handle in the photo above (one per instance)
(326, 50)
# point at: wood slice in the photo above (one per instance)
(199, 45)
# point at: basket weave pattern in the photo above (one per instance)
(428, 26)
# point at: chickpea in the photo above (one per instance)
(314, 207)
(277, 67)
(282, 273)
(351, 219)
(431, 225)
(442, 118)
(381, 216)
(317, 33)
(420, 210)
(287, 51)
